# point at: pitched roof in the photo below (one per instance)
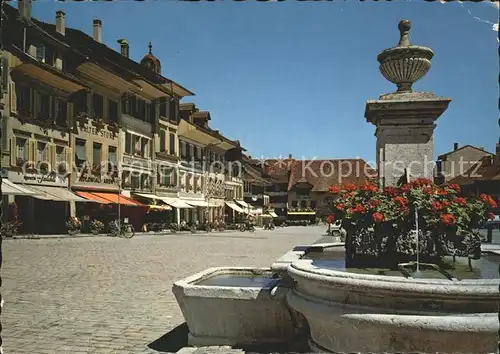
(278, 169)
(482, 170)
(443, 156)
(86, 45)
(322, 174)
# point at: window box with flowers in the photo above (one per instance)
(198, 189)
(82, 118)
(138, 152)
(380, 225)
(113, 127)
(98, 123)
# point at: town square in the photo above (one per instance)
(249, 189)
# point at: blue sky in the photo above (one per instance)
(293, 77)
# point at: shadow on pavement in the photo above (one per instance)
(172, 341)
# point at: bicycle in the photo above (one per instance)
(125, 230)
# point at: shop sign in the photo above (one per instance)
(50, 178)
(102, 133)
(141, 164)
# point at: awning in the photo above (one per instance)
(160, 207)
(149, 196)
(92, 198)
(154, 197)
(56, 194)
(176, 203)
(197, 203)
(9, 188)
(273, 214)
(149, 91)
(242, 203)
(195, 133)
(114, 198)
(35, 73)
(106, 78)
(235, 207)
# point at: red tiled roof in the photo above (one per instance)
(483, 170)
(278, 169)
(446, 154)
(322, 174)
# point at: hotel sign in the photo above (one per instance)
(102, 133)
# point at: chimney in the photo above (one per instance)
(123, 47)
(97, 30)
(455, 146)
(290, 156)
(60, 22)
(24, 7)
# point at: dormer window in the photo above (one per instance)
(45, 54)
(40, 53)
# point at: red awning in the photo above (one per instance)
(92, 197)
(113, 198)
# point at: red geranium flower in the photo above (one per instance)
(368, 187)
(436, 206)
(454, 187)
(390, 191)
(405, 188)
(445, 203)
(359, 208)
(488, 200)
(349, 187)
(428, 190)
(402, 201)
(460, 201)
(373, 203)
(447, 219)
(442, 192)
(420, 182)
(378, 217)
(330, 219)
(334, 189)
(340, 206)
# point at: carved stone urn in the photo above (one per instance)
(405, 64)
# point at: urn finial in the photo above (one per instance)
(404, 30)
(405, 64)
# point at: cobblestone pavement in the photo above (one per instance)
(105, 295)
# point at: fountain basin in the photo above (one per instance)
(351, 312)
(234, 306)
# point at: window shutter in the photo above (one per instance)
(13, 97)
(52, 156)
(32, 150)
(13, 151)
(68, 156)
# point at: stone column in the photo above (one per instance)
(404, 131)
(405, 120)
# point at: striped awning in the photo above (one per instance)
(10, 188)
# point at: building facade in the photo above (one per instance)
(456, 162)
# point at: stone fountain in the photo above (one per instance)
(357, 310)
